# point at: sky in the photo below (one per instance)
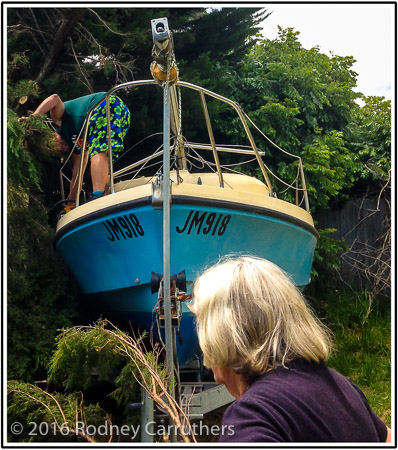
(364, 31)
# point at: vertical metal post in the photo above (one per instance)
(211, 136)
(61, 184)
(147, 418)
(109, 138)
(306, 202)
(80, 173)
(166, 230)
(175, 117)
(169, 332)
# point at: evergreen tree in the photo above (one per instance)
(39, 290)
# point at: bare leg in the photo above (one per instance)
(75, 169)
(99, 171)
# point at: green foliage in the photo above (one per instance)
(328, 167)
(326, 259)
(317, 87)
(82, 357)
(39, 292)
(86, 355)
(51, 417)
(21, 91)
(221, 33)
(102, 352)
(107, 46)
(302, 100)
(30, 144)
(362, 329)
(126, 390)
(369, 141)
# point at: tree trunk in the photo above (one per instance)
(67, 23)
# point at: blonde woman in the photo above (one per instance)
(263, 342)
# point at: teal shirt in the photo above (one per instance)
(75, 113)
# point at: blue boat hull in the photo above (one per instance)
(113, 252)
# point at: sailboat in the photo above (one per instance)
(114, 245)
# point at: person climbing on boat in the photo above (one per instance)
(262, 341)
(69, 119)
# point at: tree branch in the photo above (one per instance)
(106, 25)
(62, 34)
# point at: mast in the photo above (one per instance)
(164, 70)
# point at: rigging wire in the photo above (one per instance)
(137, 171)
(268, 139)
(284, 182)
(138, 143)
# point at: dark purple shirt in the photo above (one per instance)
(306, 402)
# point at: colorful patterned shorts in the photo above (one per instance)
(97, 128)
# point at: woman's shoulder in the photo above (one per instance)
(303, 402)
(299, 382)
(297, 371)
(248, 420)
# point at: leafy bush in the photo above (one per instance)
(362, 328)
(53, 417)
(40, 294)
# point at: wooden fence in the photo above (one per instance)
(364, 224)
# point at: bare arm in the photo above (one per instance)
(388, 435)
(54, 104)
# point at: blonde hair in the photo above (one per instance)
(250, 317)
